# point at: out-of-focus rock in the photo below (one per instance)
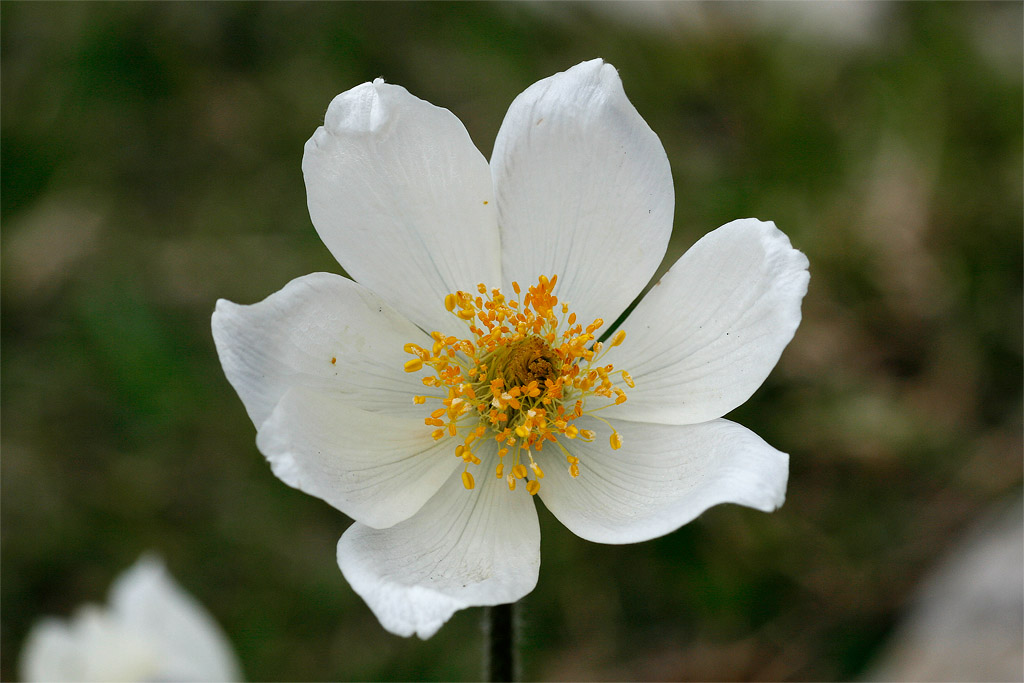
(967, 621)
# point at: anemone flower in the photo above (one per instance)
(461, 371)
(152, 630)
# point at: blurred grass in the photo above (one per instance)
(150, 164)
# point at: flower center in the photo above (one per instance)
(522, 378)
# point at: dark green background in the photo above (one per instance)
(150, 164)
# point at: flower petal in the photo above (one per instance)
(377, 468)
(402, 198)
(464, 548)
(91, 646)
(153, 630)
(584, 190)
(147, 601)
(707, 335)
(663, 477)
(290, 338)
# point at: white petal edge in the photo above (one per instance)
(584, 191)
(662, 477)
(708, 334)
(463, 549)
(403, 200)
(378, 469)
(147, 601)
(290, 338)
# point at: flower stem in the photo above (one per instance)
(500, 634)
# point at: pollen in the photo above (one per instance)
(522, 375)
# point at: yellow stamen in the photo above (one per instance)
(524, 373)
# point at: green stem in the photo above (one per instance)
(500, 634)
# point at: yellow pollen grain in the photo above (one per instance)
(416, 350)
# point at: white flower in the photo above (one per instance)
(152, 630)
(339, 376)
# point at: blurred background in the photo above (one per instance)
(150, 164)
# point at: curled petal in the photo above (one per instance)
(663, 477)
(402, 198)
(464, 548)
(584, 191)
(706, 336)
(378, 469)
(321, 331)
